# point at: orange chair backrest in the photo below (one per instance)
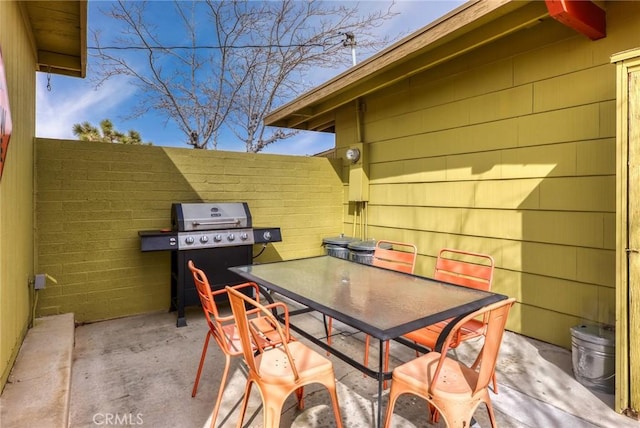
(497, 319)
(249, 336)
(209, 307)
(496, 315)
(204, 290)
(474, 270)
(400, 257)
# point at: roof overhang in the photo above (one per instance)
(583, 16)
(58, 32)
(474, 24)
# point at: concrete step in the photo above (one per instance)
(38, 389)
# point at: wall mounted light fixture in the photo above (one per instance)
(353, 155)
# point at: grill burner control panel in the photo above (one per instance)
(157, 240)
(214, 238)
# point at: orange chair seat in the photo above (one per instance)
(454, 381)
(275, 368)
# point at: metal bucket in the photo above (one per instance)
(337, 246)
(362, 251)
(337, 251)
(593, 357)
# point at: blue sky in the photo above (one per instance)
(74, 100)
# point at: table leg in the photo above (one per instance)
(380, 382)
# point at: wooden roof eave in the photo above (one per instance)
(63, 51)
(460, 31)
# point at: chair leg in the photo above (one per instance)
(329, 329)
(300, 397)
(194, 391)
(393, 396)
(476, 363)
(458, 414)
(223, 382)
(334, 401)
(492, 416)
(245, 402)
(367, 340)
(433, 411)
(272, 405)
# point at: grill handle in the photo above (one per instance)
(235, 222)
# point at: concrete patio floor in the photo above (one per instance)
(144, 367)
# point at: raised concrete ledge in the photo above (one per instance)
(38, 389)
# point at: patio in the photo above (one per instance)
(140, 369)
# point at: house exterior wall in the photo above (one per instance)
(507, 150)
(16, 188)
(93, 198)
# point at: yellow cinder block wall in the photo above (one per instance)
(16, 188)
(507, 150)
(93, 198)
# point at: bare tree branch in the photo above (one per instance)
(224, 65)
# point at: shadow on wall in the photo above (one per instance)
(93, 198)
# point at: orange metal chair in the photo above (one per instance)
(468, 269)
(277, 372)
(224, 331)
(454, 389)
(400, 256)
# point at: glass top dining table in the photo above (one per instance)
(382, 303)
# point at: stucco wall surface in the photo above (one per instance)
(16, 188)
(93, 198)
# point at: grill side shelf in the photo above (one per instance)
(158, 240)
(263, 235)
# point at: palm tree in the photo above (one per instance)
(87, 132)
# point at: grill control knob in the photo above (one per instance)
(231, 237)
(204, 239)
(244, 236)
(189, 240)
(217, 237)
(267, 236)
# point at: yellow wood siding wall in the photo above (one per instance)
(16, 188)
(628, 202)
(93, 198)
(508, 150)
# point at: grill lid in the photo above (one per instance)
(210, 216)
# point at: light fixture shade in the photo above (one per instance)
(353, 155)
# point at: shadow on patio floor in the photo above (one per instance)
(141, 370)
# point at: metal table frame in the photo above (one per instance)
(346, 290)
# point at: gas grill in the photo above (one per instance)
(215, 236)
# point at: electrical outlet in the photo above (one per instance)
(40, 281)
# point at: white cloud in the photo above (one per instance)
(73, 100)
